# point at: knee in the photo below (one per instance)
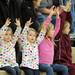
(65, 69)
(49, 68)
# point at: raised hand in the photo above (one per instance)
(57, 11)
(28, 23)
(7, 21)
(52, 10)
(18, 22)
(68, 6)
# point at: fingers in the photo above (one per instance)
(29, 22)
(17, 21)
(52, 7)
(8, 21)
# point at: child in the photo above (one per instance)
(65, 46)
(46, 48)
(29, 44)
(7, 50)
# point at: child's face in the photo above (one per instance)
(51, 32)
(31, 36)
(8, 36)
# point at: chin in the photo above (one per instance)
(7, 40)
(33, 41)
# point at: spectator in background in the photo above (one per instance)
(44, 10)
(27, 11)
(3, 12)
(13, 7)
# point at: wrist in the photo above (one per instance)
(58, 16)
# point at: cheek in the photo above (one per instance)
(51, 33)
(9, 37)
(28, 37)
(34, 38)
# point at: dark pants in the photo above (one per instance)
(11, 70)
(29, 71)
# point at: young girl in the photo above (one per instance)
(7, 50)
(65, 46)
(46, 48)
(29, 44)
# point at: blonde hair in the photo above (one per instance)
(31, 29)
(9, 29)
(49, 27)
(66, 25)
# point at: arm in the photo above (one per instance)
(41, 34)
(26, 28)
(44, 10)
(4, 28)
(57, 26)
(48, 20)
(23, 35)
(67, 7)
(16, 35)
(17, 32)
(45, 25)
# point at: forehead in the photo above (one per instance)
(8, 32)
(31, 32)
(36, 0)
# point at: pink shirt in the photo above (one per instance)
(46, 47)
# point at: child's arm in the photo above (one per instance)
(25, 30)
(41, 34)
(17, 32)
(57, 26)
(48, 19)
(23, 35)
(4, 28)
(45, 26)
(67, 7)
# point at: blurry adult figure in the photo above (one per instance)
(27, 11)
(3, 12)
(13, 9)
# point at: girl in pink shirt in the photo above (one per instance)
(46, 47)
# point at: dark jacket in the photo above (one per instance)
(27, 11)
(3, 12)
(14, 10)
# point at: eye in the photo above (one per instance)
(6, 34)
(30, 35)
